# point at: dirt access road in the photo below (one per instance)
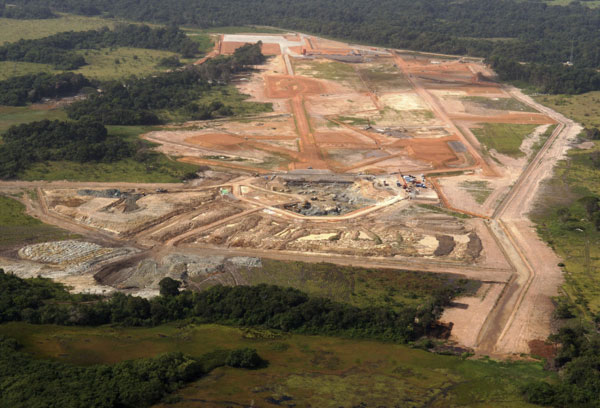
(524, 310)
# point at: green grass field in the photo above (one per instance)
(353, 285)
(584, 108)
(504, 138)
(121, 62)
(158, 170)
(561, 219)
(11, 68)
(103, 64)
(12, 30)
(313, 371)
(508, 104)
(331, 70)
(576, 241)
(18, 228)
(15, 115)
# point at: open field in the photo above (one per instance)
(17, 228)
(15, 115)
(504, 138)
(12, 68)
(304, 370)
(562, 218)
(584, 108)
(507, 104)
(12, 30)
(105, 64)
(564, 223)
(158, 169)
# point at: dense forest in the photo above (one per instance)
(61, 49)
(84, 141)
(272, 307)
(29, 12)
(33, 383)
(512, 31)
(21, 90)
(136, 101)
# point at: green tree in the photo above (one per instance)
(244, 358)
(169, 287)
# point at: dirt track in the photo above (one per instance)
(524, 311)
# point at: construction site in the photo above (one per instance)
(370, 157)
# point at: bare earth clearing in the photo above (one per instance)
(363, 150)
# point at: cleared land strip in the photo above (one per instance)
(489, 275)
(522, 311)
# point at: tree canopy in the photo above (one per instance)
(33, 142)
(513, 31)
(60, 49)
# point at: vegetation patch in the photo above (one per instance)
(478, 189)
(145, 166)
(354, 121)
(18, 91)
(12, 30)
(263, 306)
(16, 115)
(356, 286)
(542, 139)
(18, 228)
(509, 104)
(331, 70)
(9, 69)
(155, 99)
(35, 142)
(107, 64)
(584, 108)
(60, 49)
(567, 219)
(384, 77)
(504, 138)
(342, 371)
(29, 382)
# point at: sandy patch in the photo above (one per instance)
(404, 101)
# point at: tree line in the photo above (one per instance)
(21, 90)
(30, 12)
(27, 382)
(84, 141)
(139, 101)
(61, 49)
(41, 301)
(511, 30)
